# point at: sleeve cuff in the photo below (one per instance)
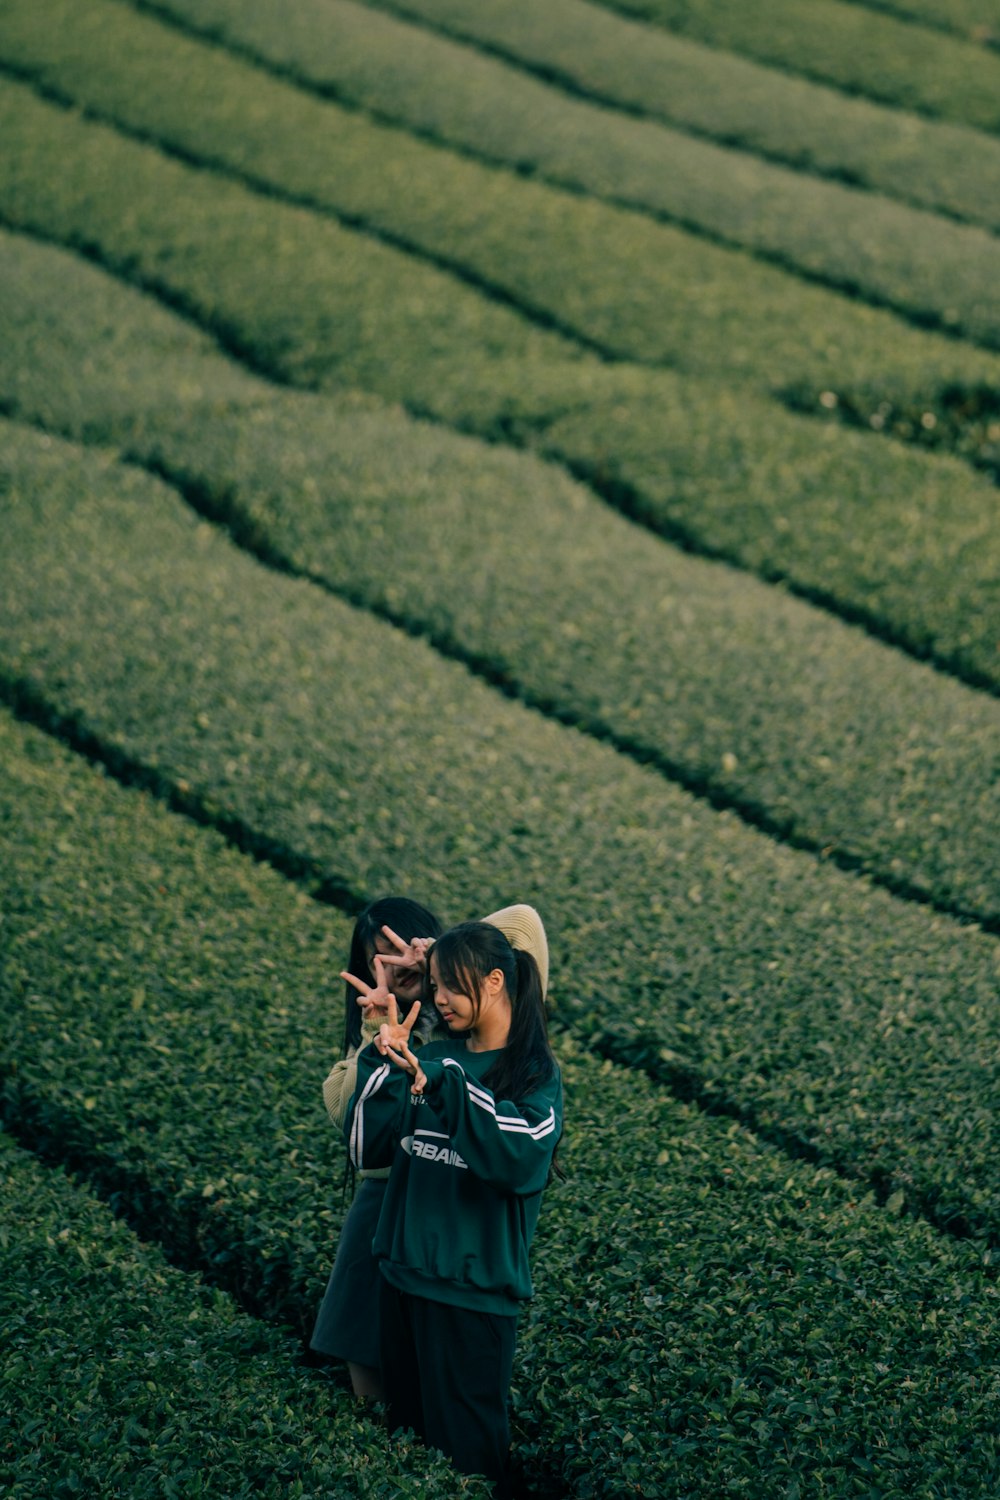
(434, 1073)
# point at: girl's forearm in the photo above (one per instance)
(507, 1145)
(377, 1113)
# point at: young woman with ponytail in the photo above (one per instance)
(469, 1128)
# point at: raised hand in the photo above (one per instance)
(408, 955)
(393, 1041)
(374, 999)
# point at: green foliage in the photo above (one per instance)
(665, 654)
(848, 45)
(338, 489)
(300, 296)
(385, 64)
(975, 20)
(898, 539)
(123, 1376)
(830, 1012)
(869, 528)
(532, 375)
(642, 291)
(731, 1348)
(808, 1310)
(710, 1317)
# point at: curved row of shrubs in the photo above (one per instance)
(124, 1376)
(337, 490)
(720, 470)
(169, 1009)
(221, 111)
(854, 1024)
(668, 656)
(848, 45)
(711, 312)
(972, 19)
(384, 61)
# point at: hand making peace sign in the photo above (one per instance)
(373, 999)
(393, 1041)
(410, 955)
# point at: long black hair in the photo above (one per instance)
(463, 957)
(407, 918)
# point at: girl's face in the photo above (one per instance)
(406, 984)
(458, 1012)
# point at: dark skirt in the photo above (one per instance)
(347, 1325)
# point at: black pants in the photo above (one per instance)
(446, 1373)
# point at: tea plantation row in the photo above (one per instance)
(664, 274)
(789, 1313)
(383, 62)
(848, 45)
(124, 1376)
(855, 1026)
(976, 20)
(919, 263)
(723, 470)
(185, 94)
(338, 491)
(169, 1009)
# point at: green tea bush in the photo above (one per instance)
(869, 529)
(384, 63)
(733, 1344)
(975, 20)
(900, 540)
(847, 45)
(162, 993)
(339, 311)
(608, 275)
(336, 489)
(86, 354)
(667, 655)
(956, 409)
(124, 1376)
(857, 1026)
(342, 306)
(714, 1315)
(709, 1318)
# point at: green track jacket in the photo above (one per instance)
(468, 1172)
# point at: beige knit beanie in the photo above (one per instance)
(522, 927)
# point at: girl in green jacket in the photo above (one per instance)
(469, 1128)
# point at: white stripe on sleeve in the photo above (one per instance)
(512, 1123)
(357, 1128)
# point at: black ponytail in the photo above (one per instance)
(464, 956)
(526, 1062)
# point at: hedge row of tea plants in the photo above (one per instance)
(207, 242)
(295, 293)
(708, 310)
(338, 489)
(222, 111)
(898, 539)
(384, 63)
(847, 45)
(750, 1324)
(668, 656)
(871, 530)
(719, 469)
(975, 20)
(860, 1026)
(124, 1376)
